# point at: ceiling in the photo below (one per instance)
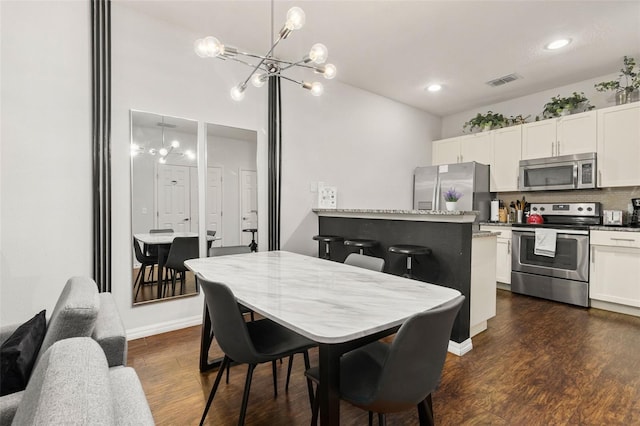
(396, 48)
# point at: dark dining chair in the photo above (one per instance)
(153, 250)
(389, 378)
(146, 260)
(252, 343)
(364, 261)
(182, 248)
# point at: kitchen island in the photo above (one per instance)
(460, 257)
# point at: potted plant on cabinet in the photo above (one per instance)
(451, 198)
(630, 92)
(558, 106)
(486, 121)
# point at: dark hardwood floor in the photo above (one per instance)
(539, 363)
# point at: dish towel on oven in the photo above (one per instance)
(545, 244)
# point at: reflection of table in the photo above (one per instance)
(339, 306)
(163, 243)
(253, 245)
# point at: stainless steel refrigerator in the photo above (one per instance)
(470, 179)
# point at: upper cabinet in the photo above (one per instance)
(475, 147)
(505, 158)
(571, 134)
(618, 145)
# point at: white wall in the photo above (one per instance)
(531, 104)
(46, 157)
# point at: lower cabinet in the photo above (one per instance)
(483, 278)
(615, 267)
(503, 252)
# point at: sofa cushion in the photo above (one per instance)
(18, 354)
(69, 385)
(109, 331)
(75, 312)
(130, 403)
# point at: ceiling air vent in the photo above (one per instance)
(503, 80)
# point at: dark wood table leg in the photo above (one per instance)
(329, 392)
(163, 251)
(206, 338)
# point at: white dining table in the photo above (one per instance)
(339, 306)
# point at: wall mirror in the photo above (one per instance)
(231, 193)
(164, 205)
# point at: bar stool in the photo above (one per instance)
(360, 244)
(410, 251)
(327, 240)
(252, 245)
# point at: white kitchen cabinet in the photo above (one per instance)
(618, 146)
(571, 134)
(462, 149)
(503, 252)
(506, 151)
(483, 278)
(615, 267)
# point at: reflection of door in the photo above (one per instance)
(214, 201)
(193, 196)
(248, 203)
(173, 198)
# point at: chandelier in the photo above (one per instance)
(268, 66)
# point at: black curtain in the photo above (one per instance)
(101, 125)
(274, 162)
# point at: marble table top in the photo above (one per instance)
(325, 301)
(167, 237)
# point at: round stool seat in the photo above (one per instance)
(408, 249)
(328, 238)
(360, 243)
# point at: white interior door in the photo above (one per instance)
(174, 198)
(214, 203)
(248, 203)
(193, 197)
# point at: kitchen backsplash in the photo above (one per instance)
(611, 198)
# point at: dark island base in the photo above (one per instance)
(448, 265)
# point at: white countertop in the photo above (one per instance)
(325, 301)
(395, 214)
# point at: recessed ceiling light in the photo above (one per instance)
(434, 87)
(558, 44)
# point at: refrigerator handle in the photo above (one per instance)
(436, 193)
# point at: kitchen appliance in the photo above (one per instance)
(635, 215)
(535, 219)
(612, 218)
(470, 179)
(564, 172)
(495, 211)
(564, 276)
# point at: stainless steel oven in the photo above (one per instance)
(563, 278)
(564, 275)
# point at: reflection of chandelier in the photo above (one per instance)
(267, 65)
(164, 150)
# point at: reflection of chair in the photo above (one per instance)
(182, 248)
(250, 343)
(153, 250)
(385, 378)
(364, 261)
(145, 260)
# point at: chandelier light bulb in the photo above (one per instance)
(317, 89)
(152, 151)
(162, 160)
(258, 80)
(190, 154)
(295, 18)
(175, 143)
(329, 71)
(208, 46)
(318, 53)
(135, 149)
(163, 151)
(237, 93)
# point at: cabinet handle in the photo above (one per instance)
(599, 177)
(460, 161)
(552, 144)
(558, 148)
(508, 246)
(623, 239)
(593, 255)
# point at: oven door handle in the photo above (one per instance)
(575, 176)
(560, 232)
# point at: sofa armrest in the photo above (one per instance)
(129, 401)
(6, 331)
(109, 331)
(8, 407)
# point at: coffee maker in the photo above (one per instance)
(635, 216)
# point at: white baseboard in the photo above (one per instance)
(615, 307)
(163, 327)
(503, 286)
(478, 328)
(460, 348)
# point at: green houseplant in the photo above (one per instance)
(486, 121)
(558, 106)
(629, 77)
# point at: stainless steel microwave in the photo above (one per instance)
(563, 172)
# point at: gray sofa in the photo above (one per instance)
(73, 384)
(81, 311)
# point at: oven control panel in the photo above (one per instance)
(566, 209)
